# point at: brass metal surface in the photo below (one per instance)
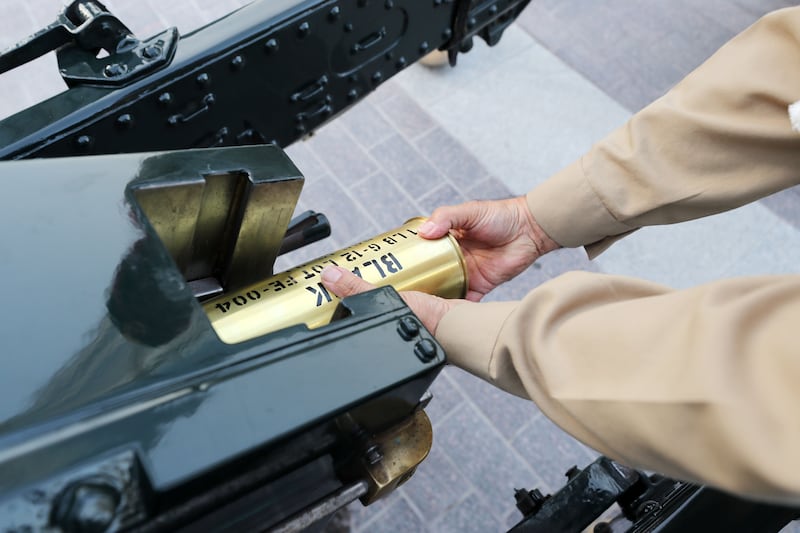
(399, 258)
(402, 448)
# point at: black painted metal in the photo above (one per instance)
(119, 405)
(649, 504)
(271, 71)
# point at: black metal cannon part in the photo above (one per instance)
(129, 413)
(607, 497)
(268, 72)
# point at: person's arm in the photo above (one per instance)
(700, 384)
(719, 139)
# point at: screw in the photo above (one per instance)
(271, 46)
(303, 29)
(237, 63)
(425, 350)
(151, 51)
(114, 70)
(408, 328)
(125, 121)
(373, 454)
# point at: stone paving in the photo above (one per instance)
(499, 123)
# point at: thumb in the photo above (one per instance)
(443, 219)
(342, 282)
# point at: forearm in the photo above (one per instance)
(699, 384)
(720, 139)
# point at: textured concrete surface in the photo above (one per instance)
(499, 123)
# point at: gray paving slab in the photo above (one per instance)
(749, 240)
(527, 117)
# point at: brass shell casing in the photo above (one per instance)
(399, 258)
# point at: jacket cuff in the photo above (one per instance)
(468, 332)
(570, 211)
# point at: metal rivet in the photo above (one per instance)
(377, 77)
(303, 29)
(300, 128)
(352, 94)
(425, 350)
(389, 56)
(437, 3)
(423, 47)
(271, 46)
(334, 13)
(348, 27)
(493, 9)
(447, 33)
(362, 3)
(203, 79)
(114, 70)
(389, 4)
(408, 328)
(164, 99)
(237, 63)
(471, 22)
(401, 62)
(353, 78)
(125, 121)
(84, 142)
(173, 120)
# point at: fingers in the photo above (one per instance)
(443, 219)
(342, 282)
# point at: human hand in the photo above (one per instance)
(499, 239)
(429, 309)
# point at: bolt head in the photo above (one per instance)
(87, 506)
(425, 350)
(151, 51)
(114, 70)
(408, 328)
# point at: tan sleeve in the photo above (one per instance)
(720, 139)
(701, 384)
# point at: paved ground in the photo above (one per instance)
(567, 73)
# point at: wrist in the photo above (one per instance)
(543, 242)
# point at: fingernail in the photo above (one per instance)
(427, 227)
(331, 274)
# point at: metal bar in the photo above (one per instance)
(322, 508)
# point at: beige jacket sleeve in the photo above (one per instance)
(700, 384)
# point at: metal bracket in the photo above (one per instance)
(79, 35)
